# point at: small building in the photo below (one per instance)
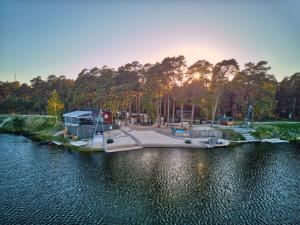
(226, 120)
(142, 118)
(84, 124)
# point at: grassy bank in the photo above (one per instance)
(38, 128)
(82, 149)
(26, 123)
(283, 130)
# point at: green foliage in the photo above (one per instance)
(147, 103)
(37, 123)
(29, 123)
(8, 126)
(18, 123)
(231, 135)
(46, 136)
(255, 86)
(55, 105)
(143, 88)
(287, 131)
(222, 73)
(82, 149)
(288, 96)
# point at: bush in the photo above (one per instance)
(21, 123)
(18, 123)
(37, 123)
(8, 126)
(231, 135)
(278, 130)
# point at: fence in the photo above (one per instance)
(205, 133)
(195, 133)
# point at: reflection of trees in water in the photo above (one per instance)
(254, 167)
(251, 184)
(234, 169)
(154, 180)
(177, 184)
(247, 178)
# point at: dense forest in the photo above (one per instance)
(162, 89)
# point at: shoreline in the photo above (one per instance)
(129, 138)
(35, 138)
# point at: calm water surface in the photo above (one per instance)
(253, 184)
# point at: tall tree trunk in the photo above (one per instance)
(192, 116)
(126, 119)
(136, 102)
(158, 112)
(215, 108)
(168, 113)
(206, 110)
(129, 117)
(139, 107)
(165, 109)
(143, 116)
(173, 111)
(181, 119)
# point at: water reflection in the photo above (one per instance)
(253, 184)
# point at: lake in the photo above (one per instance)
(247, 184)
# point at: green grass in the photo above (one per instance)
(39, 128)
(282, 130)
(44, 136)
(32, 123)
(82, 149)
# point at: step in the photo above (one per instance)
(247, 135)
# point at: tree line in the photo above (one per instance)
(164, 91)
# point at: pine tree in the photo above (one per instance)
(55, 105)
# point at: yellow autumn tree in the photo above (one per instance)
(55, 105)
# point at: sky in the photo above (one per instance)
(39, 38)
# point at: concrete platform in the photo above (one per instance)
(121, 149)
(274, 140)
(153, 139)
(128, 138)
(122, 141)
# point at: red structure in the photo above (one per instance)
(107, 118)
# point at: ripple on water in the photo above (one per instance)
(254, 184)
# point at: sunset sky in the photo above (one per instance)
(64, 37)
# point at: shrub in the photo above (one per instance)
(18, 123)
(231, 135)
(37, 123)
